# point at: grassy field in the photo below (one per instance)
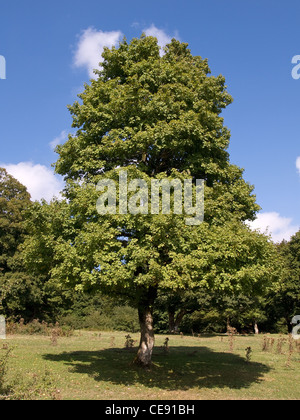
(97, 366)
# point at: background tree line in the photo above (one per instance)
(28, 235)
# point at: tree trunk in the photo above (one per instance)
(171, 322)
(256, 330)
(145, 310)
(228, 327)
(145, 350)
(179, 318)
(174, 323)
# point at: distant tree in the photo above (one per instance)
(176, 306)
(244, 312)
(18, 293)
(284, 298)
(48, 225)
(14, 200)
(294, 247)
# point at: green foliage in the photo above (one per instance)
(14, 200)
(151, 110)
(47, 226)
(101, 313)
(204, 321)
(284, 298)
(235, 269)
(18, 291)
(157, 117)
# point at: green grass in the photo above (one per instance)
(94, 367)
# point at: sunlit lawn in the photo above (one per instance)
(93, 365)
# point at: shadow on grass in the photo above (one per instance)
(182, 368)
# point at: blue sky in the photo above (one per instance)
(50, 48)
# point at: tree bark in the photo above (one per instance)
(179, 318)
(145, 310)
(174, 323)
(171, 322)
(228, 325)
(144, 355)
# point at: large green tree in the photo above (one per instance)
(156, 116)
(17, 290)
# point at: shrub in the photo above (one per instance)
(36, 327)
(107, 318)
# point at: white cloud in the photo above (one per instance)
(92, 42)
(59, 140)
(162, 37)
(298, 164)
(90, 47)
(40, 181)
(277, 226)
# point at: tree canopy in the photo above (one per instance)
(157, 117)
